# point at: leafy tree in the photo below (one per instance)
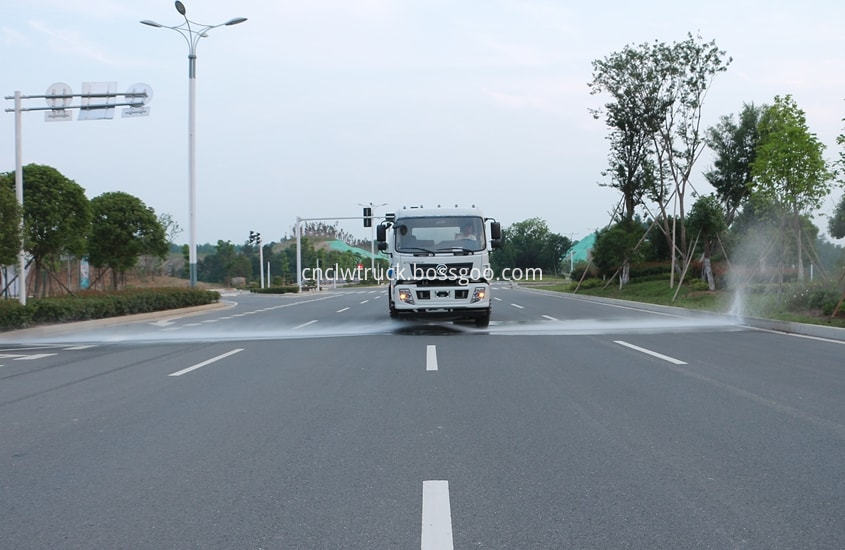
(614, 248)
(836, 224)
(707, 219)
(655, 118)
(735, 145)
(633, 116)
(790, 168)
(57, 216)
(531, 244)
(123, 229)
(10, 233)
(687, 69)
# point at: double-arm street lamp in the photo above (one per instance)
(192, 31)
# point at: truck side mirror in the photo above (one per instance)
(381, 235)
(495, 231)
(382, 246)
(495, 243)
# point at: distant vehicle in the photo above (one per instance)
(439, 263)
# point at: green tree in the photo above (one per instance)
(123, 228)
(531, 244)
(836, 224)
(687, 69)
(614, 248)
(56, 213)
(10, 232)
(633, 116)
(790, 168)
(707, 220)
(735, 145)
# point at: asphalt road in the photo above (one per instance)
(315, 421)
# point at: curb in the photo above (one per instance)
(788, 327)
(61, 328)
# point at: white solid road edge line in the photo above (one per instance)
(431, 358)
(208, 362)
(652, 353)
(807, 336)
(436, 516)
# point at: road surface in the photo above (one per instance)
(314, 421)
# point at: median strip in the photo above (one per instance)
(652, 353)
(436, 516)
(207, 362)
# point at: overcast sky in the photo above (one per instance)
(310, 108)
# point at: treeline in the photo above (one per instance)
(531, 244)
(112, 230)
(770, 175)
(229, 260)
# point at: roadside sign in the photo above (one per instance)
(59, 113)
(142, 109)
(97, 108)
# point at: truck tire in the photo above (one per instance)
(484, 320)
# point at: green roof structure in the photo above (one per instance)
(341, 246)
(581, 250)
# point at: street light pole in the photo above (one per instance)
(192, 37)
(19, 197)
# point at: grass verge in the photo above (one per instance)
(777, 304)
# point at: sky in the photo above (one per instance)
(310, 108)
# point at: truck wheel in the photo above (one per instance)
(393, 314)
(484, 320)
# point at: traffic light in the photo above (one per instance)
(368, 216)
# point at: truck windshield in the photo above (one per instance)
(440, 234)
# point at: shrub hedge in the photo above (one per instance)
(98, 305)
(276, 289)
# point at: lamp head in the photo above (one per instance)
(236, 20)
(180, 7)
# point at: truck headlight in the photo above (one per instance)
(406, 296)
(478, 294)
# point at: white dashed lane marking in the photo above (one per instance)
(652, 353)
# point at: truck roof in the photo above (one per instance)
(426, 212)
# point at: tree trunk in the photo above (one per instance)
(800, 247)
(625, 276)
(114, 276)
(708, 269)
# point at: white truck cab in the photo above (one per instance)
(439, 262)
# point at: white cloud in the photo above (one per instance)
(13, 37)
(71, 42)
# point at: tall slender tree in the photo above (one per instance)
(790, 167)
(735, 145)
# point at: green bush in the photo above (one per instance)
(276, 289)
(812, 297)
(98, 305)
(697, 284)
(578, 270)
